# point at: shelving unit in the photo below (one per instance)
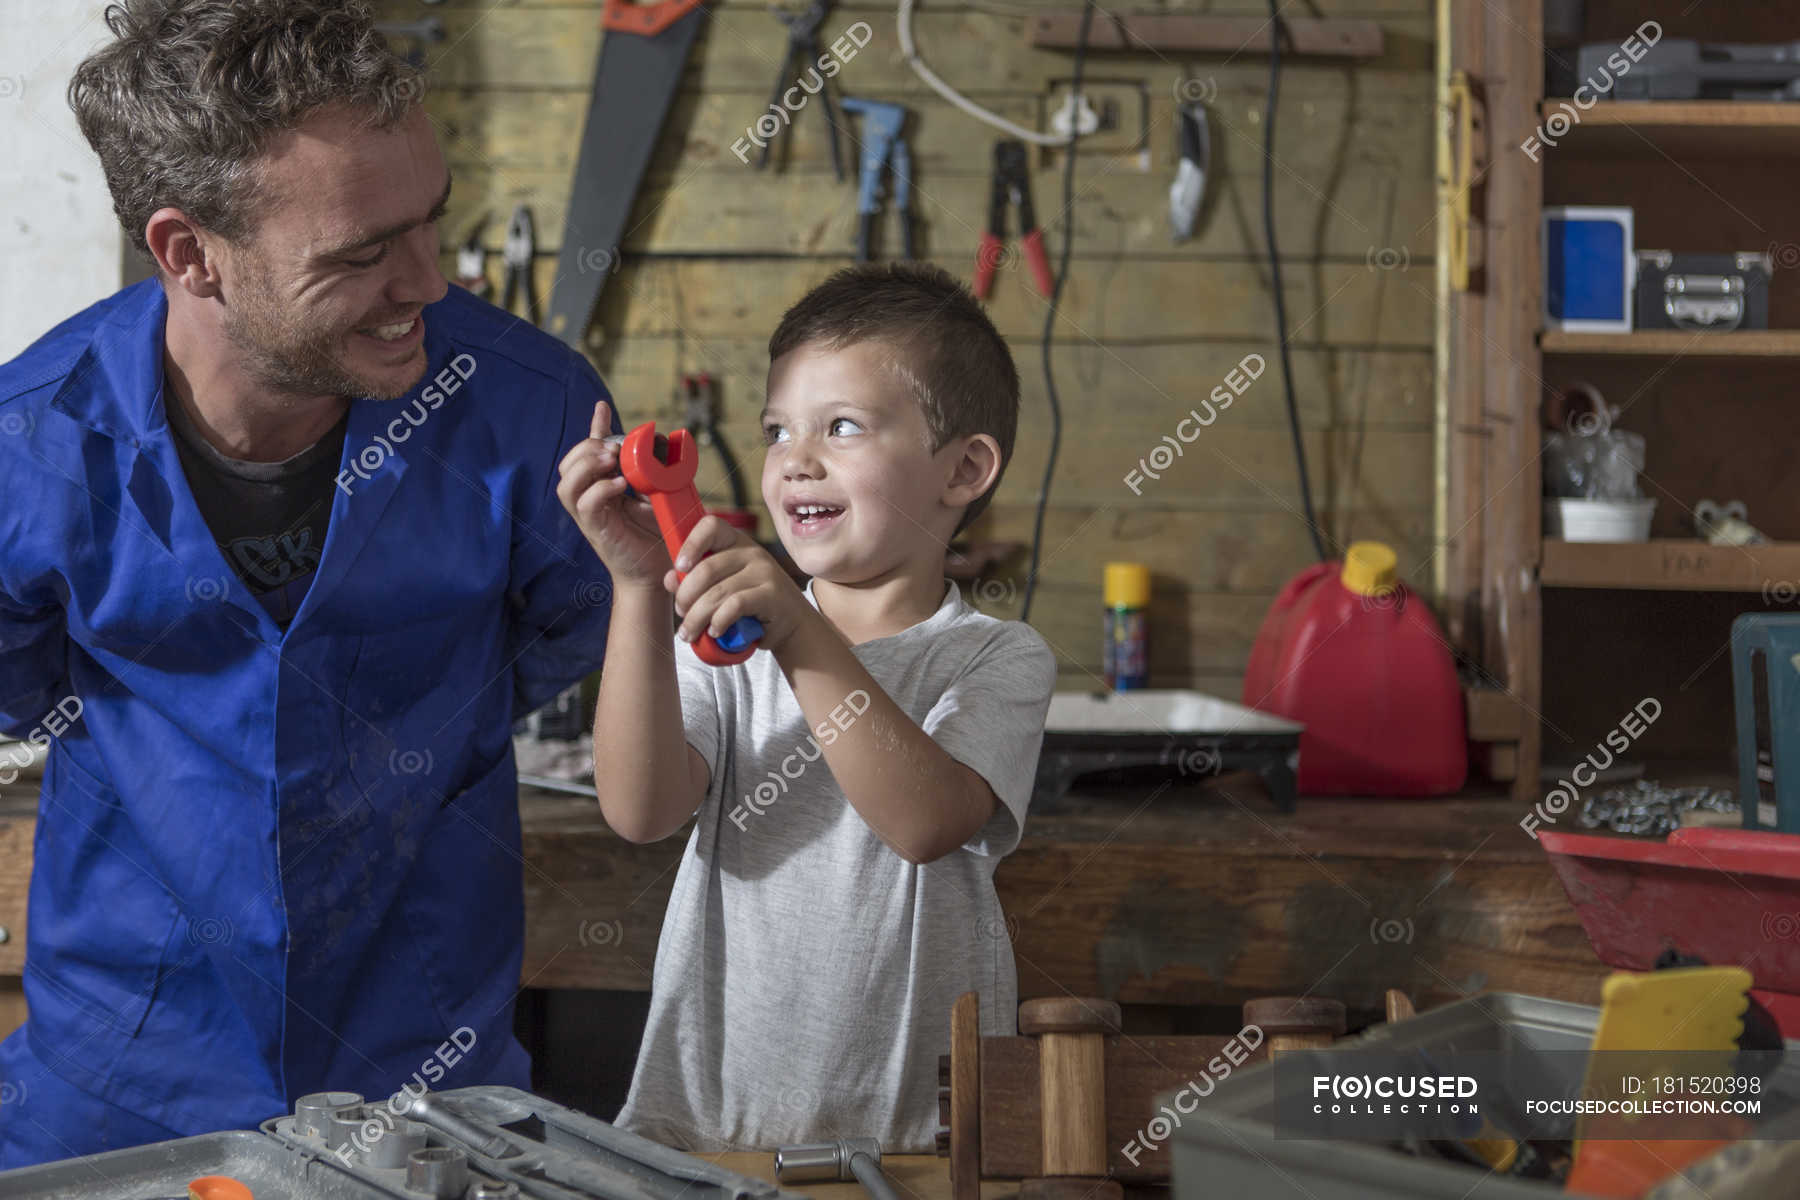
(1677, 343)
(1673, 564)
(1682, 128)
(1574, 633)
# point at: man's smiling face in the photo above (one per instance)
(325, 296)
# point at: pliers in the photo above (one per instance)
(520, 249)
(1011, 186)
(700, 399)
(803, 55)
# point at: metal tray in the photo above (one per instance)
(1185, 733)
(156, 1172)
(550, 1152)
(1228, 1147)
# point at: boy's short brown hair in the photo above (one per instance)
(946, 350)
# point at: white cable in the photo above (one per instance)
(904, 19)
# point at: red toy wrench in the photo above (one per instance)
(662, 470)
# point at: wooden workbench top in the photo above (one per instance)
(915, 1176)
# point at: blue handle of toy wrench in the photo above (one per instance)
(744, 633)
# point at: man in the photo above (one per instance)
(282, 561)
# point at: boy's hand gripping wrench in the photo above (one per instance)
(667, 481)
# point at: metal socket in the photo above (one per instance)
(312, 1113)
(438, 1171)
(820, 1161)
(394, 1145)
(343, 1126)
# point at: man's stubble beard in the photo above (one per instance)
(297, 362)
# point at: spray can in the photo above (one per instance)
(1125, 653)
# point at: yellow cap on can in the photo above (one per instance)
(1127, 585)
(1369, 568)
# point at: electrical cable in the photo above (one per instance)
(1062, 275)
(1268, 207)
(903, 19)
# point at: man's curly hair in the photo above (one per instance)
(182, 104)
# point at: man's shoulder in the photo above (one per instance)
(486, 331)
(47, 362)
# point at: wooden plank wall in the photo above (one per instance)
(1148, 327)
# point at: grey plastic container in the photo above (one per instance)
(1228, 1147)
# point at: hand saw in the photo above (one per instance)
(643, 51)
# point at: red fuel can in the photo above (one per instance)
(1351, 652)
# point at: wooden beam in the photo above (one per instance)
(1225, 35)
(1511, 58)
(12, 1005)
(1494, 715)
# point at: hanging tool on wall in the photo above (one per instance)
(642, 55)
(883, 147)
(520, 250)
(1194, 144)
(803, 56)
(700, 405)
(426, 31)
(1011, 188)
(471, 261)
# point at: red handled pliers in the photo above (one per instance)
(1012, 186)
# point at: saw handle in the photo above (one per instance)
(621, 16)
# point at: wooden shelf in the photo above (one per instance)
(1681, 128)
(1670, 564)
(1677, 343)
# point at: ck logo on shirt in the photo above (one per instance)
(271, 562)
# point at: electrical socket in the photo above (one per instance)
(1115, 112)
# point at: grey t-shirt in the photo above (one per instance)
(805, 974)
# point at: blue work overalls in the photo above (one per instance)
(274, 862)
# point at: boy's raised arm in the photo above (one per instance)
(912, 792)
(648, 779)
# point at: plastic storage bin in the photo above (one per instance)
(1228, 1146)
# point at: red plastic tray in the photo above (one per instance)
(1729, 896)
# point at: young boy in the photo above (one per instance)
(859, 777)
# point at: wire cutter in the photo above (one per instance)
(1012, 186)
(802, 56)
(520, 249)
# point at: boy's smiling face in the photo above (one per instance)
(849, 474)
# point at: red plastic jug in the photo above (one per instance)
(1351, 652)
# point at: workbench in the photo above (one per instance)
(1189, 893)
(915, 1176)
